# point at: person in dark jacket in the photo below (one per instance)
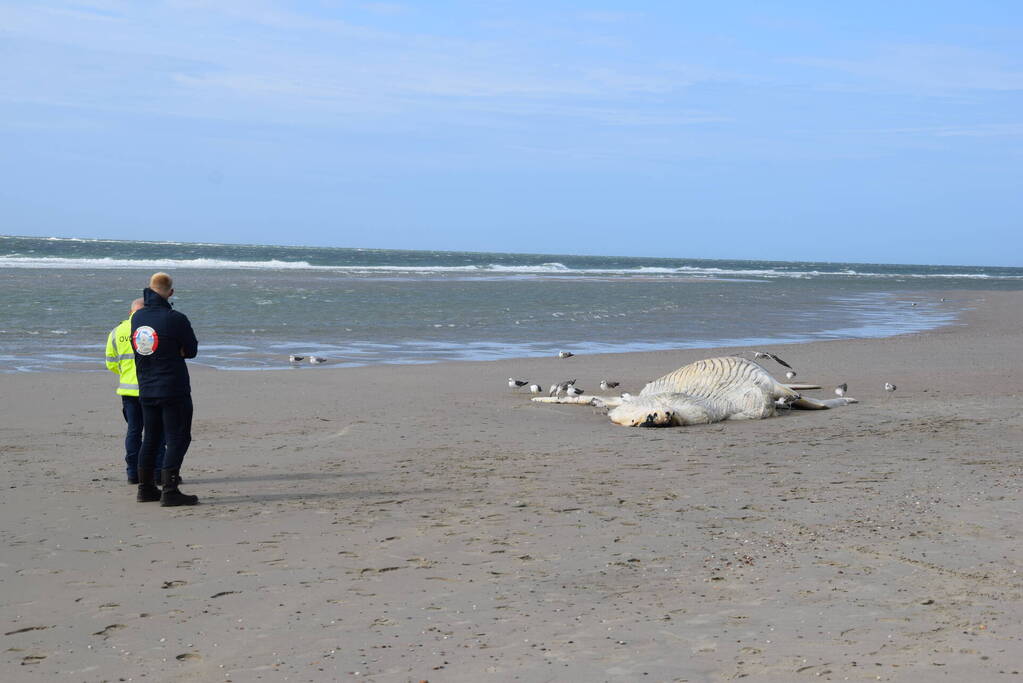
(162, 339)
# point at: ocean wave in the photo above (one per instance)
(542, 269)
(120, 263)
(101, 240)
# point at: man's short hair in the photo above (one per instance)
(161, 283)
(136, 305)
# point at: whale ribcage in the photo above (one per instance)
(735, 386)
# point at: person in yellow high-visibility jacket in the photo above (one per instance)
(120, 360)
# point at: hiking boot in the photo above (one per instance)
(172, 497)
(148, 493)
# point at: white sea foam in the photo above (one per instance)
(543, 269)
(112, 263)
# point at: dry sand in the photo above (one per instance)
(426, 522)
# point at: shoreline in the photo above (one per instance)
(868, 328)
(425, 522)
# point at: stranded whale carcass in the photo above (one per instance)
(711, 390)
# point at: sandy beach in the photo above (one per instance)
(410, 523)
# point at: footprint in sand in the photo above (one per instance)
(109, 629)
(173, 584)
(32, 659)
(189, 657)
(26, 629)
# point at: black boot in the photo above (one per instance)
(159, 478)
(171, 496)
(148, 493)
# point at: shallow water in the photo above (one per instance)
(252, 306)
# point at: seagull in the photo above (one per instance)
(573, 390)
(295, 359)
(889, 387)
(626, 396)
(561, 387)
(535, 388)
(606, 385)
(841, 389)
(316, 360)
(516, 383)
(790, 374)
(565, 354)
(757, 355)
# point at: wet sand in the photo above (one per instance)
(428, 523)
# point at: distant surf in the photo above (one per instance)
(549, 269)
(254, 305)
(95, 254)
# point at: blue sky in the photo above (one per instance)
(868, 131)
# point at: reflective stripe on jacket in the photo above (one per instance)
(121, 359)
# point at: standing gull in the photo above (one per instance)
(535, 388)
(561, 387)
(295, 359)
(316, 360)
(841, 389)
(606, 385)
(573, 390)
(516, 383)
(565, 354)
(790, 374)
(889, 387)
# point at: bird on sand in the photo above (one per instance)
(573, 390)
(516, 383)
(561, 387)
(790, 374)
(841, 389)
(535, 388)
(889, 387)
(607, 385)
(565, 354)
(757, 355)
(316, 360)
(295, 359)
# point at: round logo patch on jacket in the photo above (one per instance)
(145, 340)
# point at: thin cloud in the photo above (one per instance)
(989, 130)
(927, 68)
(608, 17)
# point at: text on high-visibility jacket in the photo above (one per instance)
(121, 358)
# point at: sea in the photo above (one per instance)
(254, 305)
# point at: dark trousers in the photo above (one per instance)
(131, 408)
(168, 419)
